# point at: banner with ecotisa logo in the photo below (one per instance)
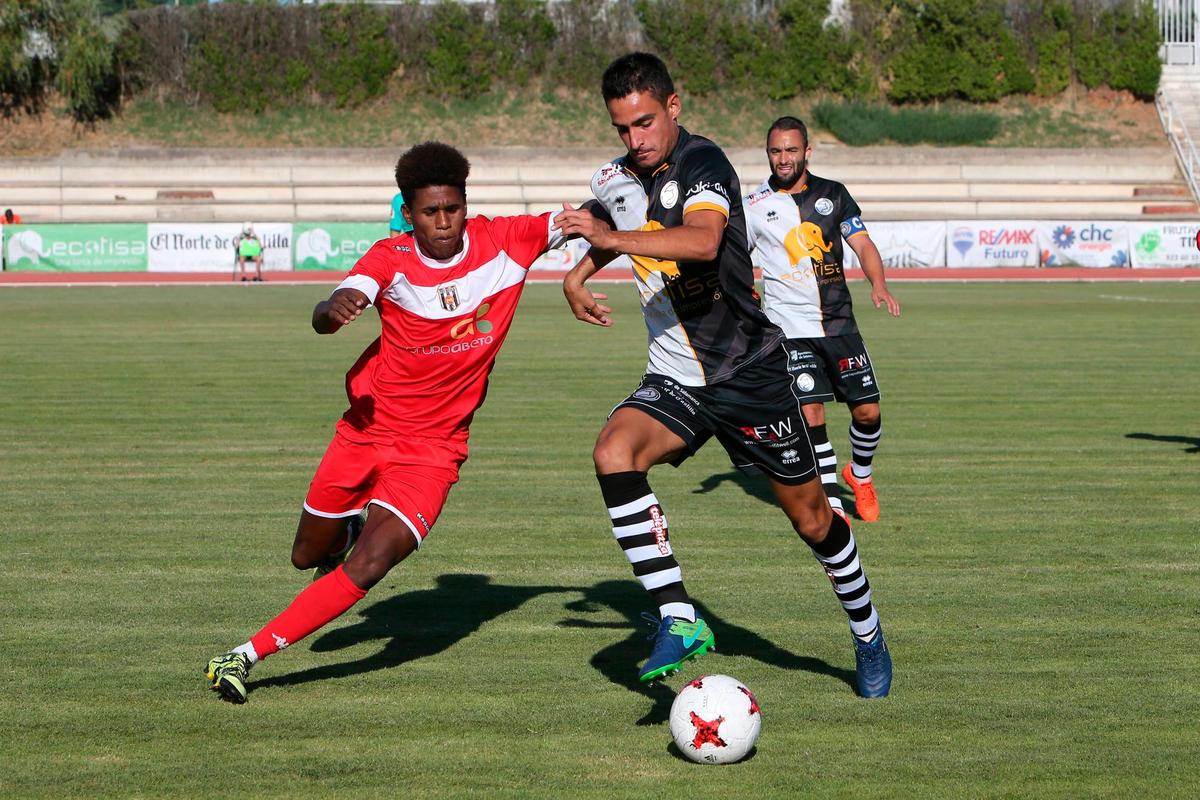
(334, 245)
(76, 248)
(905, 244)
(1164, 244)
(1084, 243)
(991, 243)
(208, 246)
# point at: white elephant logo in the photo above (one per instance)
(25, 246)
(315, 244)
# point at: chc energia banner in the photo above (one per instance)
(1164, 244)
(1084, 243)
(906, 244)
(75, 248)
(208, 246)
(992, 243)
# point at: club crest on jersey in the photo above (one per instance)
(669, 195)
(448, 295)
(824, 206)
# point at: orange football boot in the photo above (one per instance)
(865, 500)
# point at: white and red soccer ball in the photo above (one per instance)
(715, 719)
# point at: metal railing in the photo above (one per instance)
(1180, 27)
(1181, 141)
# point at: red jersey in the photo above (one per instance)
(443, 323)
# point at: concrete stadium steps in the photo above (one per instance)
(1181, 85)
(888, 182)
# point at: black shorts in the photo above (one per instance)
(755, 415)
(831, 367)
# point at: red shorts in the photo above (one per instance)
(409, 476)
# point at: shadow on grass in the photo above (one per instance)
(1194, 441)
(416, 625)
(758, 488)
(619, 661)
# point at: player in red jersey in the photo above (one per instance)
(446, 294)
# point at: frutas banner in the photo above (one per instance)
(334, 245)
(1084, 243)
(208, 246)
(991, 243)
(905, 244)
(76, 248)
(1164, 244)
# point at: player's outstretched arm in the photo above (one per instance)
(343, 307)
(872, 267)
(585, 305)
(697, 239)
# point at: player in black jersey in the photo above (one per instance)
(797, 224)
(672, 203)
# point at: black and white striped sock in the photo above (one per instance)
(863, 441)
(839, 556)
(827, 464)
(640, 527)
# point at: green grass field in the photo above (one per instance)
(1037, 565)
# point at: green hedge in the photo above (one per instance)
(252, 55)
(860, 123)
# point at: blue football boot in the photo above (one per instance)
(675, 641)
(873, 666)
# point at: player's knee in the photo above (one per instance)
(368, 570)
(867, 415)
(303, 559)
(812, 523)
(609, 456)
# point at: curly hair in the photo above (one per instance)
(431, 164)
(637, 72)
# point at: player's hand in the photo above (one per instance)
(587, 306)
(343, 307)
(881, 296)
(573, 221)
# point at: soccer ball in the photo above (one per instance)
(715, 720)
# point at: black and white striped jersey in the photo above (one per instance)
(703, 318)
(797, 241)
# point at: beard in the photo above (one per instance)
(780, 183)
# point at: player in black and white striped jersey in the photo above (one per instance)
(797, 222)
(716, 366)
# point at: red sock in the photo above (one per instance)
(319, 604)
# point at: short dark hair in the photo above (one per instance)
(431, 164)
(788, 124)
(637, 72)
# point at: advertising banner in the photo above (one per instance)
(991, 243)
(334, 245)
(905, 244)
(208, 246)
(1164, 244)
(562, 258)
(75, 248)
(1084, 243)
